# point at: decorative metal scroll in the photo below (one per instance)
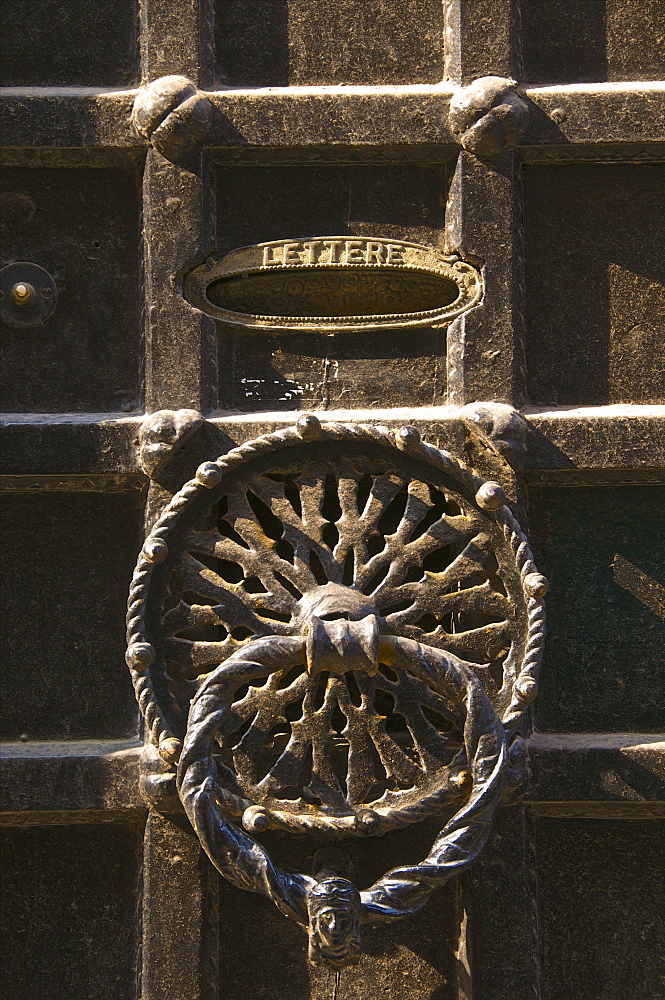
(333, 284)
(336, 629)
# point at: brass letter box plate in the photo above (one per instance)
(334, 284)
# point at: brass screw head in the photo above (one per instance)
(460, 780)
(490, 496)
(23, 293)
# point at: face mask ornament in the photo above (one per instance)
(335, 630)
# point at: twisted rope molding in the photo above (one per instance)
(140, 654)
(401, 891)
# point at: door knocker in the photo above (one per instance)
(336, 629)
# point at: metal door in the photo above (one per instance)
(320, 119)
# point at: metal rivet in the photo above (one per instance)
(536, 585)
(23, 293)
(460, 779)
(208, 474)
(490, 496)
(367, 820)
(308, 427)
(526, 688)
(170, 749)
(155, 550)
(407, 437)
(255, 819)
(139, 656)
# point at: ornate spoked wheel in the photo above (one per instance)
(333, 601)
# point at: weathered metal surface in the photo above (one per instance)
(501, 428)
(392, 123)
(598, 774)
(82, 226)
(613, 868)
(564, 42)
(162, 434)
(178, 223)
(82, 556)
(316, 545)
(484, 346)
(618, 296)
(607, 542)
(372, 154)
(573, 774)
(70, 781)
(69, 45)
(269, 45)
(563, 445)
(77, 881)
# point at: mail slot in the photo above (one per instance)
(332, 284)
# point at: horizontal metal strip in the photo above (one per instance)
(65, 749)
(573, 774)
(327, 118)
(598, 810)
(595, 438)
(89, 446)
(566, 447)
(50, 117)
(574, 771)
(69, 777)
(90, 817)
(108, 482)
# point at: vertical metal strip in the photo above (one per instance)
(175, 912)
(179, 892)
(180, 342)
(502, 924)
(483, 222)
(479, 39)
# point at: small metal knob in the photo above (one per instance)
(23, 293)
(490, 496)
(28, 294)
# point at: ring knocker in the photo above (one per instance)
(336, 629)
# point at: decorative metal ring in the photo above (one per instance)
(155, 691)
(275, 658)
(301, 596)
(400, 892)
